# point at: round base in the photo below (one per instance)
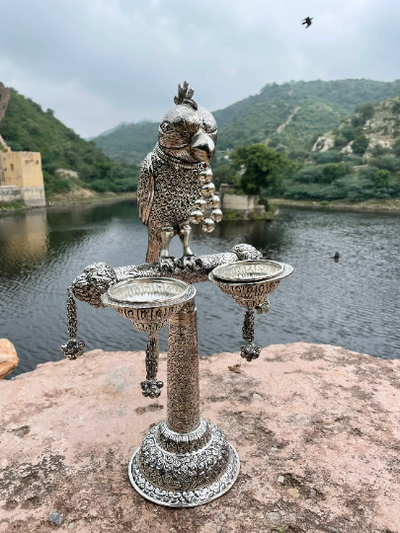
(184, 479)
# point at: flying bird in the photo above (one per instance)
(173, 177)
(307, 21)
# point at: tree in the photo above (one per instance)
(261, 166)
(360, 145)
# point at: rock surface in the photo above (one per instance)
(316, 428)
(8, 358)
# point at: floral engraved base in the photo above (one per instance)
(182, 478)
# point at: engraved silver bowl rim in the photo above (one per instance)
(187, 294)
(286, 271)
(218, 272)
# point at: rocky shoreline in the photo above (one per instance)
(387, 206)
(60, 201)
(316, 428)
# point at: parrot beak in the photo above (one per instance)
(202, 148)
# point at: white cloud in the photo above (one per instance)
(99, 62)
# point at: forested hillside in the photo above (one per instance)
(129, 142)
(358, 160)
(316, 106)
(27, 127)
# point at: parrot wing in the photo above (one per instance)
(145, 189)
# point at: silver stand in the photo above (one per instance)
(185, 460)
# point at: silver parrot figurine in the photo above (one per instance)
(174, 187)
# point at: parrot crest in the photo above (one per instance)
(185, 94)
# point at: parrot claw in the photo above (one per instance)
(191, 262)
(167, 264)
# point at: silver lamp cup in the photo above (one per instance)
(148, 303)
(249, 283)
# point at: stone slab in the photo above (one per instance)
(316, 428)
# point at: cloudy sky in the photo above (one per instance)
(100, 62)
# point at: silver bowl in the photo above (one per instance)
(243, 288)
(248, 271)
(148, 302)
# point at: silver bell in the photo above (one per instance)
(200, 204)
(206, 176)
(208, 190)
(213, 201)
(216, 215)
(196, 217)
(208, 225)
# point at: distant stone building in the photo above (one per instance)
(21, 177)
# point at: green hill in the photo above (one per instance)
(26, 127)
(316, 106)
(358, 160)
(129, 142)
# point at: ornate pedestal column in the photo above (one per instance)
(185, 460)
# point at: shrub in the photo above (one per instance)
(366, 110)
(55, 185)
(387, 162)
(361, 191)
(368, 172)
(101, 186)
(332, 172)
(382, 178)
(352, 159)
(313, 191)
(330, 156)
(298, 155)
(379, 150)
(340, 142)
(356, 121)
(348, 133)
(308, 174)
(360, 145)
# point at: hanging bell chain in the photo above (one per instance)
(73, 348)
(151, 388)
(250, 351)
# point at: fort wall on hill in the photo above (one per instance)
(21, 178)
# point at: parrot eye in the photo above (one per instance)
(208, 128)
(165, 126)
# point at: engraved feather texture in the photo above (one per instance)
(169, 180)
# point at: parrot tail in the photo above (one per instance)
(154, 247)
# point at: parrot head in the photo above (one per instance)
(188, 131)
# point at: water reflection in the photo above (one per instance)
(354, 303)
(24, 239)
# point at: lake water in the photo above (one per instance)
(354, 303)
